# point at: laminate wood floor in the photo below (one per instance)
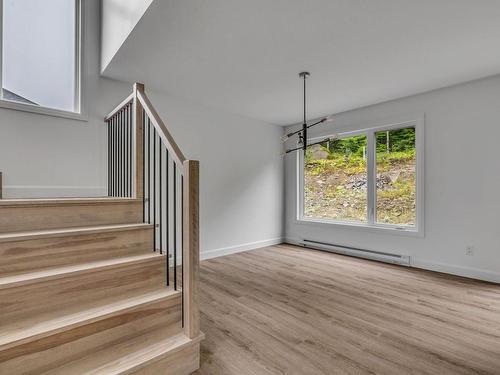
(289, 310)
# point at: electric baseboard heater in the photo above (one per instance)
(403, 260)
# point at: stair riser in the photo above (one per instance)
(17, 218)
(81, 289)
(183, 362)
(32, 255)
(48, 354)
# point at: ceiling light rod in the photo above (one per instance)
(302, 133)
(304, 76)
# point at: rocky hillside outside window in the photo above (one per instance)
(368, 177)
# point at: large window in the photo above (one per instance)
(370, 177)
(40, 55)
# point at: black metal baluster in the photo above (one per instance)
(154, 187)
(175, 226)
(122, 161)
(125, 158)
(125, 147)
(109, 164)
(115, 130)
(143, 166)
(117, 153)
(167, 209)
(118, 162)
(124, 143)
(149, 171)
(113, 158)
(120, 145)
(130, 162)
(160, 206)
(127, 152)
(182, 248)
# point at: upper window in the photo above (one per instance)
(40, 54)
(369, 178)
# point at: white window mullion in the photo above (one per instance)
(371, 176)
(300, 191)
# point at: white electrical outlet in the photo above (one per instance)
(469, 250)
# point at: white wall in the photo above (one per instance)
(51, 156)
(241, 174)
(119, 19)
(462, 182)
(242, 183)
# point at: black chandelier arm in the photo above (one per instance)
(309, 145)
(308, 126)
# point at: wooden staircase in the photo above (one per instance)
(83, 291)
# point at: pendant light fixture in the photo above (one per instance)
(301, 134)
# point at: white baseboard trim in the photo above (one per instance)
(470, 272)
(209, 254)
(55, 191)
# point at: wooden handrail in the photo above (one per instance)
(160, 126)
(124, 102)
(155, 118)
(143, 109)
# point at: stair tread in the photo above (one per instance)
(25, 331)
(128, 356)
(54, 273)
(50, 201)
(17, 236)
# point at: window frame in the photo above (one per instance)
(78, 113)
(371, 224)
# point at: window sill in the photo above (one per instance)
(374, 228)
(43, 110)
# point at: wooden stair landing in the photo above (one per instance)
(147, 354)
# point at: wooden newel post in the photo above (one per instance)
(138, 123)
(191, 251)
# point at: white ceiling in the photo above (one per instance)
(244, 56)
